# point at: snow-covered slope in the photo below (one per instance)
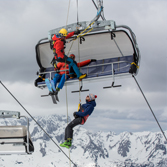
(89, 149)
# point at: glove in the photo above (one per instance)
(77, 32)
(74, 114)
(56, 69)
(93, 60)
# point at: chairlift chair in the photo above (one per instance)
(113, 47)
(15, 139)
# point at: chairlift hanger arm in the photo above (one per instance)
(102, 16)
(99, 10)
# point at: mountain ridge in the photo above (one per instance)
(138, 149)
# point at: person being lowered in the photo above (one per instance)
(84, 111)
(63, 75)
(58, 51)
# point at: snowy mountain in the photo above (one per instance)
(101, 149)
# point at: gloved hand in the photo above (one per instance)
(93, 60)
(77, 32)
(56, 69)
(74, 114)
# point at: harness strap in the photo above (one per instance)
(135, 64)
(41, 77)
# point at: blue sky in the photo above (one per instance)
(24, 23)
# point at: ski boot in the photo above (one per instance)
(82, 76)
(56, 93)
(66, 144)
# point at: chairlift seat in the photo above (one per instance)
(12, 131)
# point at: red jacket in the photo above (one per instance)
(59, 45)
(61, 66)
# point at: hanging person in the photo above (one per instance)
(81, 116)
(58, 50)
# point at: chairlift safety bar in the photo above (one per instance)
(50, 72)
(90, 79)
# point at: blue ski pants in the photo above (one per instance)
(60, 78)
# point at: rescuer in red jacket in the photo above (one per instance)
(58, 50)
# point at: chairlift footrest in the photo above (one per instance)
(45, 95)
(76, 91)
(112, 86)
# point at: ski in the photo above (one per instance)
(48, 84)
(54, 89)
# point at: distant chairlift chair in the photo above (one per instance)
(15, 139)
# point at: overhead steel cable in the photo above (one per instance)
(66, 77)
(68, 12)
(36, 122)
(77, 13)
(149, 107)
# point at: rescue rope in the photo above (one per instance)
(149, 107)
(68, 12)
(66, 79)
(81, 34)
(79, 70)
(77, 12)
(36, 122)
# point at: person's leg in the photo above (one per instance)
(69, 132)
(70, 126)
(71, 63)
(74, 66)
(62, 81)
(56, 78)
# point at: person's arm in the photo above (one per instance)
(70, 34)
(87, 111)
(86, 62)
(73, 33)
(83, 63)
(58, 48)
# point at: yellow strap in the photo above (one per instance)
(135, 64)
(55, 65)
(81, 34)
(79, 106)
